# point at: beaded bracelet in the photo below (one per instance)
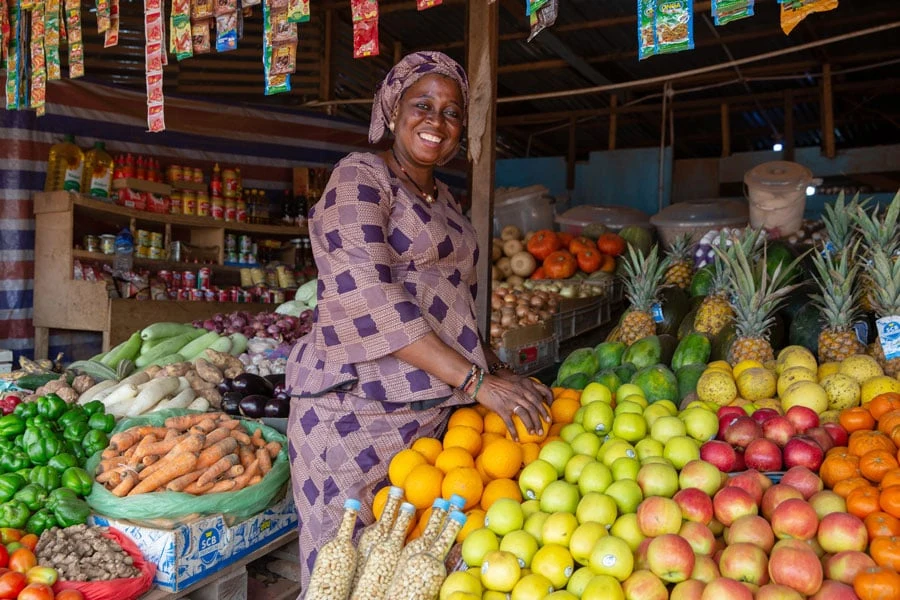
(499, 366)
(474, 394)
(468, 378)
(472, 382)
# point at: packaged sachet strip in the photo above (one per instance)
(226, 32)
(794, 11)
(277, 84)
(363, 9)
(298, 11)
(726, 11)
(284, 59)
(103, 15)
(426, 4)
(51, 40)
(155, 89)
(38, 73)
(278, 3)
(646, 21)
(532, 6)
(200, 38)
(111, 37)
(181, 7)
(543, 18)
(153, 26)
(13, 46)
(365, 38)
(156, 118)
(153, 55)
(4, 27)
(201, 9)
(181, 37)
(76, 60)
(674, 26)
(223, 7)
(281, 29)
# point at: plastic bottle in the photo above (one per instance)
(336, 562)
(215, 184)
(98, 170)
(124, 253)
(141, 172)
(377, 532)
(65, 165)
(379, 566)
(457, 502)
(435, 524)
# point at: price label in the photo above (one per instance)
(657, 313)
(889, 334)
(862, 332)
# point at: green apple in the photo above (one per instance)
(522, 544)
(500, 571)
(627, 406)
(595, 392)
(627, 528)
(656, 479)
(700, 423)
(630, 427)
(535, 477)
(532, 587)
(696, 404)
(667, 427)
(577, 582)
(558, 528)
(461, 581)
(598, 417)
(535, 524)
(598, 508)
(477, 544)
(612, 556)
(669, 405)
(587, 443)
(529, 507)
(578, 416)
(658, 460)
(554, 562)
(560, 595)
(628, 389)
(504, 515)
(614, 449)
(603, 587)
(595, 477)
(583, 540)
(576, 465)
(648, 447)
(625, 468)
(626, 493)
(557, 453)
(560, 496)
(681, 450)
(654, 412)
(571, 431)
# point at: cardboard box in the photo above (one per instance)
(531, 348)
(193, 551)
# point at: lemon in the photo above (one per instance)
(463, 582)
(716, 386)
(627, 389)
(792, 375)
(805, 393)
(877, 385)
(722, 365)
(744, 365)
(860, 367)
(826, 369)
(842, 391)
(755, 383)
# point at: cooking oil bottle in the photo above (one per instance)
(64, 166)
(336, 562)
(98, 170)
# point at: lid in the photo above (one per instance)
(407, 507)
(778, 175)
(511, 196)
(457, 500)
(441, 503)
(615, 217)
(351, 504)
(458, 517)
(712, 212)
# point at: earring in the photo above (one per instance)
(391, 126)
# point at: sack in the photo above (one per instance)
(115, 589)
(239, 505)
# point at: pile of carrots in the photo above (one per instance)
(197, 454)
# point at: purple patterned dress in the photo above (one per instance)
(392, 268)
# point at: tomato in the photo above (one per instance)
(609, 263)
(565, 238)
(589, 260)
(612, 244)
(886, 551)
(8, 535)
(29, 541)
(538, 274)
(560, 265)
(877, 583)
(46, 575)
(36, 591)
(581, 243)
(69, 595)
(856, 419)
(22, 559)
(543, 243)
(4, 556)
(11, 583)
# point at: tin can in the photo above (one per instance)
(230, 210)
(196, 295)
(202, 204)
(177, 279)
(241, 206)
(271, 278)
(265, 297)
(184, 294)
(173, 293)
(217, 209)
(209, 296)
(229, 183)
(175, 206)
(231, 257)
(230, 242)
(204, 275)
(165, 276)
(142, 251)
(197, 175)
(234, 295)
(143, 237)
(246, 243)
(188, 203)
(91, 243)
(223, 296)
(155, 253)
(108, 243)
(175, 173)
(189, 280)
(277, 297)
(175, 251)
(156, 240)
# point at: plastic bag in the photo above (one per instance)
(794, 11)
(173, 505)
(116, 589)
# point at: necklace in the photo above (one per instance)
(429, 198)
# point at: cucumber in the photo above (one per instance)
(165, 330)
(193, 350)
(170, 346)
(97, 371)
(99, 357)
(238, 344)
(33, 382)
(223, 344)
(128, 349)
(149, 345)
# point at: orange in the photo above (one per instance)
(530, 452)
(420, 525)
(474, 520)
(570, 394)
(500, 488)
(563, 409)
(524, 435)
(423, 485)
(479, 466)
(875, 464)
(379, 501)
(556, 429)
(556, 391)
(466, 482)
(502, 459)
(481, 409)
(402, 463)
(863, 501)
(494, 423)
(428, 447)
(464, 437)
(468, 417)
(890, 478)
(844, 487)
(488, 437)
(451, 458)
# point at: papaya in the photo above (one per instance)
(805, 329)
(687, 377)
(675, 303)
(625, 371)
(644, 352)
(779, 253)
(721, 343)
(686, 326)
(608, 378)
(609, 354)
(657, 383)
(693, 349)
(575, 381)
(594, 230)
(581, 361)
(638, 237)
(667, 344)
(701, 282)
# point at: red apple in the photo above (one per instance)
(845, 566)
(763, 455)
(695, 505)
(745, 562)
(731, 503)
(803, 479)
(688, 590)
(750, 483)
(671, 558)
(724, 423)
(775, 495)
(698, 535)
(821, 436)
(803, 451)
(774, 591)
(751, 529)
(640, 555)
(733, 411)
(644, 584)
(720, 454)
(779, 430)
(796, 568)
(722, 588)
(764, 414)
(702, 475)
(802, 418)
(764, 481)
(705, 569)
(827, 502)
(739, 463)
(834, 590)
(794, 519)
(657, 515)
(838, 434)
(814, 545)
(840, 532)
(742, 431)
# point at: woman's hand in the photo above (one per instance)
(511, 394)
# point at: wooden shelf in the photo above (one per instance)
(153, 263)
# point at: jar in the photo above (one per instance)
(197, 175)
(91, 243)
(175, 173)
(230, 210)
(175, 203)
(241, 216)
(188, 202)
(155, 253)
(143, 251)
(143, 237)
(156, 240)
(108, 243)
(202, 204)
(218, 208)
(229, 183)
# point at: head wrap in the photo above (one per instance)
(404, 74)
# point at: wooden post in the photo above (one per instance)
(613, 102)
(570, 157)
(789, 125)
(726, 131)
(481, 66)
(398, 51)
(828, 147)
(325, 86)
(42, 342)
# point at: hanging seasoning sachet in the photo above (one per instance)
(726, 11)
(111, 36)
(426, 4)
(646, 20)
(674, 26)
(794, 11)
(365, 28)
(154, 51)
(75, 41)
(298, 11)
(51, 39)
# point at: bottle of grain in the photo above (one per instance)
(435, 524)
(457, 502)
(332, 575)
(377, 532)
(382, 560)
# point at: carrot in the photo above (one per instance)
(216, 435)
(197, 489)
(244, 479)
(108, 453)
(184, 422)
(172, 468)
(241, 437)
(273, 448)
(204, 426)
(125, 487)
(110, 464)
(130, 452)
(107, 476)
(180, 483)
(126, 439)
(212, 454)
(220, 466)
(115, 478)
(139, 448)
(235, 471)
(257, 439)
(171, 434)
(254, 480)
(229, 423)
(159, 448)
(265, 461)
(246, 455)
(149, 459)
(192, 443)
(226, 485)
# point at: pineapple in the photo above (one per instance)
(715, 311)
(839, 222)
(838, 302)
(877, 231)
(682, 269)
(754, 298)
(643, 275)
(884, 278)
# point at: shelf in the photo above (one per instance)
(149, 262)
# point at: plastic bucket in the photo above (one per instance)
(776, 192)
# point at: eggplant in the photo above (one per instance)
(277, 408)
(254, 405)
(249, 384)
(275, 379)
(224, 386)
(283, 395)
(231, 403)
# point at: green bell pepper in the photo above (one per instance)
(24, 474)
(58, 495)
(69, 512)
(46, 477)
(41, 521)
(94, 407)
(102, 422)
(51, 406)
(73, 415)
(14, 514)
(63, 461)
(35, 433)
(13, 460)
(6, 445)
(11, 426)
(79, 453)
(38, 421)
(10, 483)
(95, 441)
(41, 451)
(75, 432)
(25, 410)
(32, 495)
(77, 480)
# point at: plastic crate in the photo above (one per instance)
(529, 349)
(582, 315)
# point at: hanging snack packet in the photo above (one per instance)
(13, 46)
(201, 9)
(281, 29)
(4, 27)
(181, 37)
(794, 11)
(226, 32)
(277, 84)
(156, 118)
(542, 19)
(298, 11)
(223, 7)
(51, 39)
(426, 4)
(111, 37)
(38, 92)
(200, 38)
(674, 26)
(365, 38)
(284, 59)
(532, 6)
(726, 11)
(646, 20)
(364, 9)
(103, 15)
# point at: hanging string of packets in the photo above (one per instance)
(280, 19)
(665, 27)
(365, 28)
(726, 11)
(541, 15)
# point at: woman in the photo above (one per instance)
(395, 342)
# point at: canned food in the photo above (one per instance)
(217, 209)
(202, 204)
(196, 295)
(173, 293)
(223, 295)
(188, 202)
(246, 243)
(143, 237)
(241, 215)
(189, 280)
(230, 210)
(91, 243)
(155, 253)
(177, 279)
(143, 252)
(156, 240)
(175, 206)
(197, 175)
(209, 296)
(204, 275)
(277, 297)
(230, 242)
(165, 276)
(229, 183)
(108, 243)
(235, 294)
(265, 297)
(184, 294)
(175, 251)
(175, 173)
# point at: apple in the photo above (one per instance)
(777, 494)
(575, 466)
(598, 508)
(745, 562)
(700, 423)
(558, 528)
(838, 434)
(600, 586)
(840, 532)
(500, 571)
(671, 558)
(612, 556)
(749, 482)
(640, 555)
(614, 449)
(531, 586)
(716, 527)
(477, 544)
(625, 467)
(705, 569)
(762, 415)
(595, 477)
(571, 431)
(779, 429)
(657, 479)
(657, 516)
(845, 566)
(721, 588)
(803, 451)
(522, 544)
(763, 455)
(751, 529)
(648, 448)
(739, 463)
(582, 541)
(665, 428)
(702, 475)
(774, 591)
(821, 437)
(555, 563)
(740, 432)
(626, 528)
(535, 477)
(796, 568)
(699, 536)
(644, 585)
(627, 494)
(598, 418)
(560, 496)
(578, 582)
(504, 515)
(794, 519)
(816, 547)
(802, 418)
(734, 411)
(731, 503)
(835, 590)
(720, 454)
(680, 450)
(827, 502)
(691, 589)
(764, 480)
(803, 479)
(557, 453)
(695, 505)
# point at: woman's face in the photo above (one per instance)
(429, 120)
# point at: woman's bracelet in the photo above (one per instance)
(474, 394)
(499, 366)
(468, 378)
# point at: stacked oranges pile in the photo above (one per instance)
(477, 459)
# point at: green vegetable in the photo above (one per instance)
(170, 346)
(94, 442)
(32, 495)
(93, 407)
(46, 477)
(13, 514)
(104, 423)
(223, 344)
(25, 473)
(77, 480)
(127, 350)
(41, 451)
(12, 425)
(13, 460)
(97, 371)
(165, 330)
(10, 483)
(193, 350)
(51, 406)
(169, 359)
(58, 495)
(63, 461)
(26, 410)
(73, 415)
(238, 343)
(33, 382)
(70, 512)
(37, 421)
(79, 453)
(34, 433)
(41, 521)
(76, 432)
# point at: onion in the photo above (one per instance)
(537, 301)
(210, 324)
(509, 298)
(496, 330)
(521, 311)
(507, 320)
